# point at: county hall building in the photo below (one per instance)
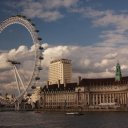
(87, 94)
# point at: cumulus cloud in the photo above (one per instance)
(50, 10)
(90, 61)
(87, 61)
(111, 56)
(88, 12)
(3, 61)
(115, 24)
(103, 63)
(47, 10)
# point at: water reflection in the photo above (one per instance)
(60, 120)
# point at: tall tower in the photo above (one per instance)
(60, 71)
(118, 74)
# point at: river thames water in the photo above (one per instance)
(60, 120)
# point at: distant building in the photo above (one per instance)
(36, 95)
(100, 93)
(35, 98)
(60, 71)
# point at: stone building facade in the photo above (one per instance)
(101, 93)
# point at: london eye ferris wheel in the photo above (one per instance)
(24, 86)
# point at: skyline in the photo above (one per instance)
(92, 33)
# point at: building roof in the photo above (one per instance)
(61, 87)
(103, 81)
(61, 60)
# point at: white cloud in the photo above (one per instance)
(59, 3)
(119, 20)
(124, 67)
(87, 61)
(103, 63)
(48, 10)
(111, 56)
(3, 61)
(22, 49)
(115, 24)
(88, 12)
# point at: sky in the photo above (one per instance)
(91, 33)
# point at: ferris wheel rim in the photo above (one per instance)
(35, 39)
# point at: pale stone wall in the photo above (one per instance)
(84, 98)
(58, 99)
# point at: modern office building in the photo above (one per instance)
(60, 71)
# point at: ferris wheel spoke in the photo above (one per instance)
(22, 83)
(17, 82)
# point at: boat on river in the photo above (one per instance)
(74, 113)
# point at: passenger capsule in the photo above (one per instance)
(41, 57)
(36, 30)
(33, 87)
(33, 24)
(41, 48)
(14, 62)
(18, 15)
(37, 78)
(40, 68)
(29, 94)
(39, 38)
(29, 19)
(24, 17)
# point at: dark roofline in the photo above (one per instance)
(61, 87)
(103, 81)
(57, 60)
(123, 77)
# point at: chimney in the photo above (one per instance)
(47, 84)
(65, 83)
(58, 83)
(79, 79)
